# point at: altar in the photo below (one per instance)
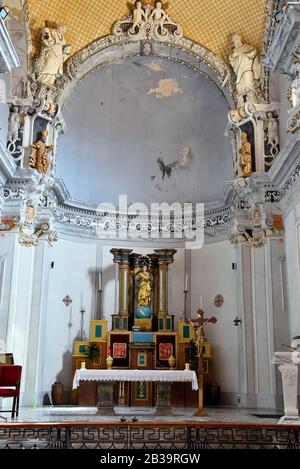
(106, 379)
(146, 358)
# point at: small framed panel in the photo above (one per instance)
(142, 359)
(185, 332)
(119, 323)
(98, 330)
(165, 345)
(141, 394)
(119, 345)
(119, 350)
(80, 347)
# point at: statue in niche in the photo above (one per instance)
(144, 294)
(245, 62)
(49, 64)
(39, 154)
(139, 17)
(245, 156)
(273, 134)
(13, 125)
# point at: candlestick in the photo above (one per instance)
(186, 283)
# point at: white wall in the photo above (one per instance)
(292, 249)
(74, 275)
(212, 274)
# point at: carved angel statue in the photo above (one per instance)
(138, 16)
(245, 62)
(159, 15)
(39, 154)
(245, 156)
(49, 64)
(145, 288)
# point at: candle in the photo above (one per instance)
(201, 302)
(100, 281)
(186, 283)
(83, 365)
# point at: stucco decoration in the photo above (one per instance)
(48, 66)
(146, 22)
(245, 62)
(154, 33)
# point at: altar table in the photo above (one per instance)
(163, 378)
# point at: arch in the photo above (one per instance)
(110, 48)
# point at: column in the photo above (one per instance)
(121, 257)
(165, 257)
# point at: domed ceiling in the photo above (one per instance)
(149, 128)
(209, 22)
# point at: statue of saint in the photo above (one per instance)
(39, 155)
(49, 64)
(245, 156)
(13, 125)
(145, 288)
(245, 62)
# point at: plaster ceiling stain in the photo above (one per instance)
(166, 87)
(185, 158)
(205, 21)
(166, 169)
(154, 66)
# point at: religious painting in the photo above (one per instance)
(120, 350)
(118, 343)
(165, 351)
(165, 346)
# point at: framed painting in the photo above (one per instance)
(119, 350)
(165, 350)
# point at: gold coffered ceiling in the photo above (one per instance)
(209, 22)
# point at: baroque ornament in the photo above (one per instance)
(146, 22)
(48, 66)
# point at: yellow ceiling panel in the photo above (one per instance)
(209, 22)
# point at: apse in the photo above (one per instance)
(147, 127)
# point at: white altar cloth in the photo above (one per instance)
(167, 376)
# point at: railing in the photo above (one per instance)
(149, 436)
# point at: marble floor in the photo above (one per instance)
(52, 414)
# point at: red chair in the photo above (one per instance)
(10, 377)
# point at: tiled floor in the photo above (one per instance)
(54, 414)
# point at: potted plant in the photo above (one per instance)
(92, 353)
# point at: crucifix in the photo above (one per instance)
(199, 324)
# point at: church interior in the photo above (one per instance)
(163, 294)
